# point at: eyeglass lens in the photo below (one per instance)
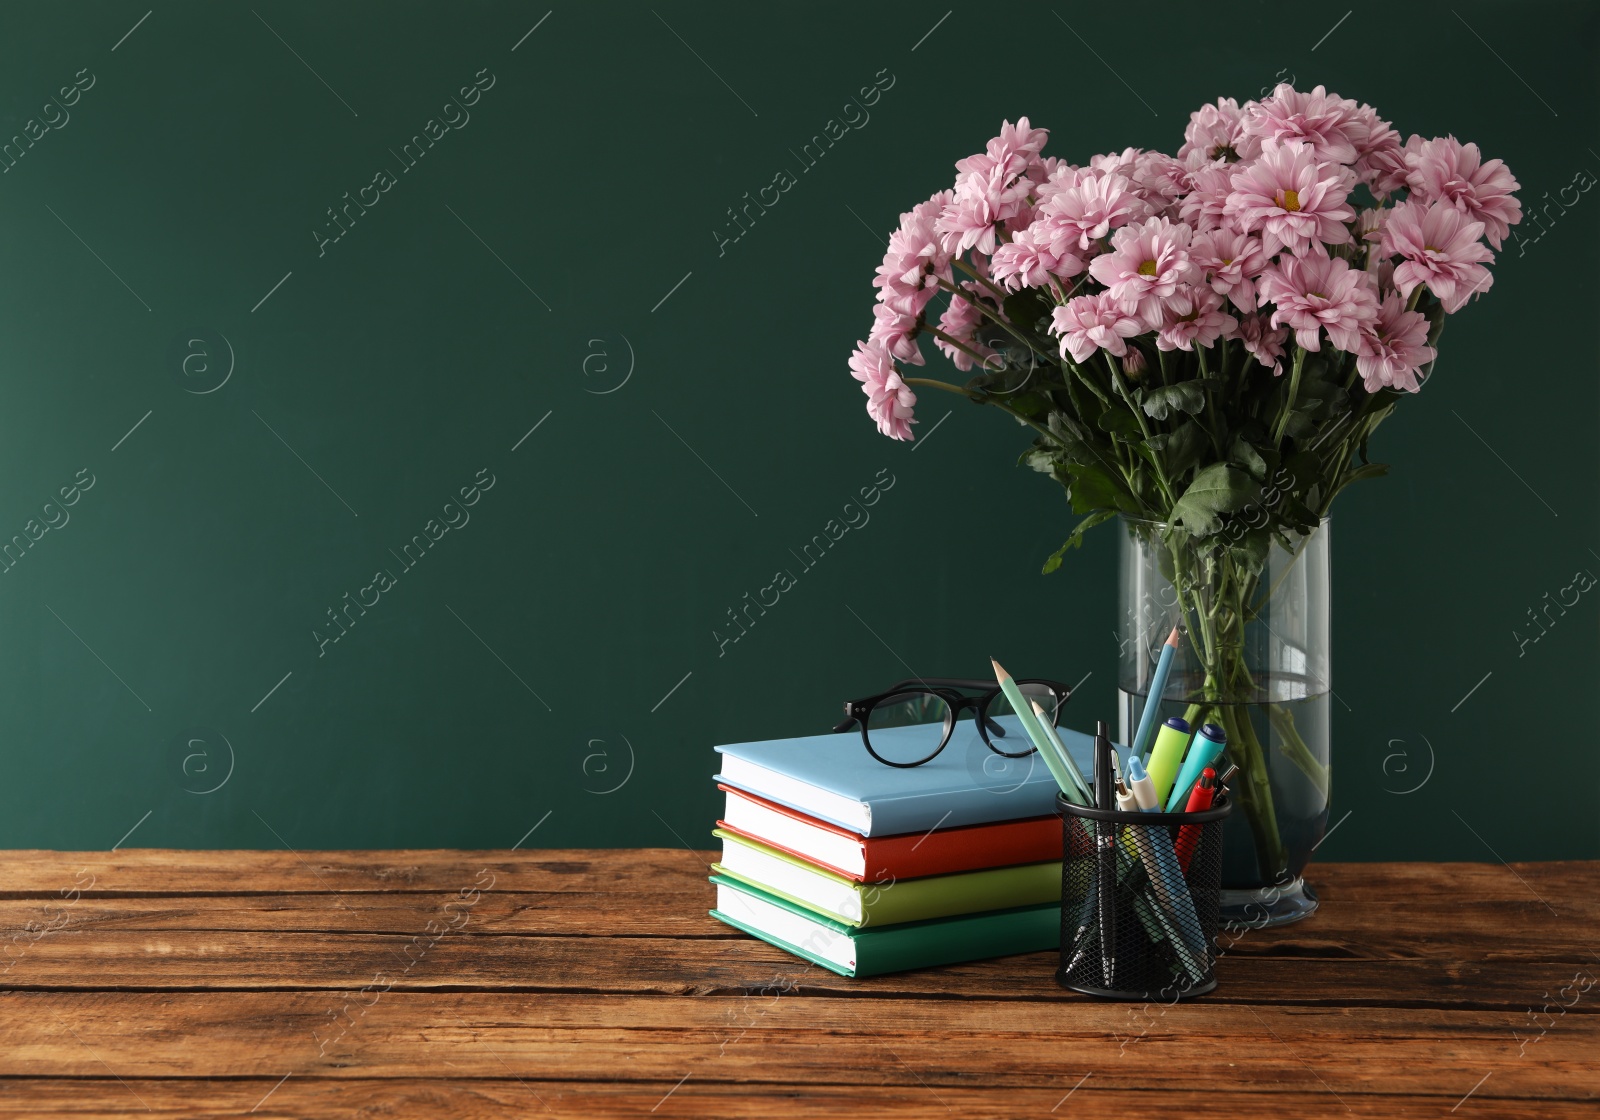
(1001, 728)
(908, 727)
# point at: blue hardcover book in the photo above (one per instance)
(833, 778)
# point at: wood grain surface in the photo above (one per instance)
(593, 984)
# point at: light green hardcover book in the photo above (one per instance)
(887, 903)
(853, 951)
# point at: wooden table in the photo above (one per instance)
(592, 983)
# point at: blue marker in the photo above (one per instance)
(1202, 753)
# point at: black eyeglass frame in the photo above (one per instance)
(857, 711)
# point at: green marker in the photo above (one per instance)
(1165, 756)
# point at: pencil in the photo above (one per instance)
(1152, 699)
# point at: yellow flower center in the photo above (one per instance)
(1290, 201)
(1148, 268)
(1429, 249)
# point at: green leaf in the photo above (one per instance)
(1185, 396)
(1292, 511)
(1249, 552)
(1040, 460)
(1243, 453)
(1119, 421)
(1093, 489)
(1367, 470)
(1068, 428)
(1075, 540)
(1185, 448)
(1217, 489)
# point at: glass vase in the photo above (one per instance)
(1253, 659)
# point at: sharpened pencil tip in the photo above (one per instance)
(1172, 638)
(999, 670)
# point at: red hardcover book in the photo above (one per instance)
(880, 859)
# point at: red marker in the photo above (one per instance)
(1199, 799)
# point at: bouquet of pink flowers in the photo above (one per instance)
(1178, 330)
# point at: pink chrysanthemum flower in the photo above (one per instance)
(896, 332)
(915, 261)
(1206, 204)
(1318, 293)
(960, 321)
(1014, 153)
(1214, 131)
(1230, 262)
(1194, 315)
(1440, 247)
(984, 202)
(1380, 157)
(1018, 139)
(1091, 322)
(1147, 265)
(1117, 163)
(1161, 178)
(1087, 208)
(1318, 119)
(1262, 342)
(1394, 347)
(1445, 170)
(992, 189)
(1369, 224)
(889, 399)
(1134, 363)
(1050, 165)
(1026, 262)
(1296, 202)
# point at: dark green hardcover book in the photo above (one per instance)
(874, 950)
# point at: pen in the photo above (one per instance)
(1144, 790)
(1104, 765)
(1172, 890)
(1189, 834)
(1127, 804)
(1105, 857)
(1226, 776)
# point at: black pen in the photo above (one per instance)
(1106, 855)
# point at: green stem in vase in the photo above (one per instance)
(1294, 748)
(1254, 790)
(1210, 591)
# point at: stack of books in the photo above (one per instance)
(864, 868)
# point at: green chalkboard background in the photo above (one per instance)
(543, 299)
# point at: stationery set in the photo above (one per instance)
(913, 837)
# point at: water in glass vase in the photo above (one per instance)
(1264, 853)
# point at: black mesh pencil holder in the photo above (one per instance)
(1140, 900)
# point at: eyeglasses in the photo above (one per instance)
(913, 721)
